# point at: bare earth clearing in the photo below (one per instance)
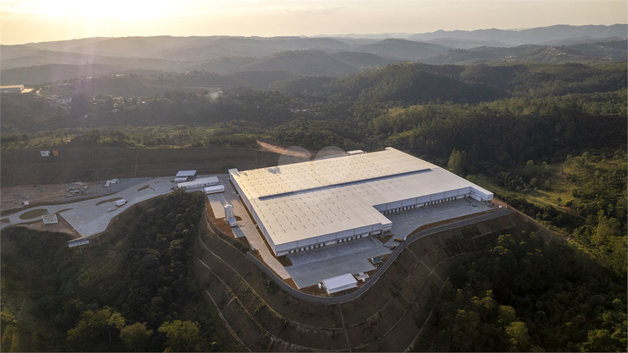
(89, 162)
(13, 197)
(26, 176)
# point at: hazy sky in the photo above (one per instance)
(24, 21)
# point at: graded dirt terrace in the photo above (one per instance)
(88, 162)
(387, 317)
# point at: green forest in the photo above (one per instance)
(550, 140)
(133, 291)
(525, 295)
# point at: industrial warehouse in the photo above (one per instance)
(309, 205)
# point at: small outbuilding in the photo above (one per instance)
(50, 219)
(353, 153)
(339, 283)
(214, 189)
(209, 181)
(185, 175)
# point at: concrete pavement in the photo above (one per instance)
(92, 216)
(246, 227)
(353, 295)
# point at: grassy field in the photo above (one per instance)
(557, 195)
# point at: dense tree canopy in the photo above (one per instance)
(137, 302)
(526, 295)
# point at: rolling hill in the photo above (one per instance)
(305, 62)
(613, 50)
(412, 84)
(402, 49)
(30, 63)
(54, 72)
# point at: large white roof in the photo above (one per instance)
(304, 200)
(328, 172)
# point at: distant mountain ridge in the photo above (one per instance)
(541, 35)
(309, 55)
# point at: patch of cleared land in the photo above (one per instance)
(87, 162)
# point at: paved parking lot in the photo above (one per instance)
(311, 267)
(406, 222)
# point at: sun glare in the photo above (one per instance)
(120, 10)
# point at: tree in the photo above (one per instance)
(465, 331)
(135, 337)
(181, 336)
(603, 341)
(517, 335)
(10, 339)
(457, 162)
(606, 228)
(93, 327)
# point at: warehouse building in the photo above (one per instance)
(11, 89)
(309, 205)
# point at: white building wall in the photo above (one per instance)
(451, 193)
(306, 242)
(326, 238)
(438, 196)
(363, 230)
(393, 205)
(423, 199)
(345, 234)
(286, 246)
(409, 202)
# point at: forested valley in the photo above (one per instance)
(550, 140)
